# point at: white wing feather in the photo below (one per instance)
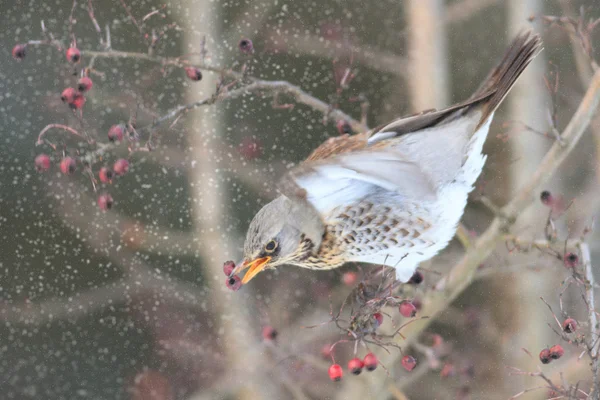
(350, 177)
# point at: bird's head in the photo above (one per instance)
(282, 232)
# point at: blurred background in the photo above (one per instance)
(132, 303)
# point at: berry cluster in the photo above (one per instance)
(355, 366)
(232, 282)
(68, 166)
(553, 353)
(75, 98)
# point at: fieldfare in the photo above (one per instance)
(390, 196)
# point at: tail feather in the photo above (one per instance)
(501, 79)
(486, 99)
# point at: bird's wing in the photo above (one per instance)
(349, 177)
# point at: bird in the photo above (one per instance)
(391, 196)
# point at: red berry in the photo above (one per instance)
(370, 362)
(546, 198)
(151, 385)
(85, 83)
(326, 351)
(349, 278)
(378, 318)
(447, 370)
(19, 51)
(571, 260)
(250, 148)
(246, 46)
(407, 309)
(105, 202)
(73, 55)
(228, 267)
(42, 163)
(416, 279)
(68, 95)
(569, 325)
(116, 133)
(409, 363)
(193, 73)
(545, 356)
(269, 333)
(355, 366)
(105, 174)
(121, 166)
(556, 351)
(343, 127)
(417, 303)
(234, 283)
(77, 102)
(68, 165)
(335, 372)
(436, 340)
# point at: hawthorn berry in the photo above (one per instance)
(335, 372)
(250, 148)
(370, 362)
(234, 282)
(349, 278)
(68, 95)
(545, 356)
(546, 198)
(246, 46)
(416, 278)
(121, 166)
(269, 333)
(378, 318)
(105, 174)
(68, 165)
(556, 352)
(84, 84)
(407, 309)
(116, 133)
(105, 202)
(417, 303)
(42, 163)
(436, 340)
(326, 351)
(569, 325)
(19, 51)
(355, 366)
(193, 73)
(409, 363)
(228, 267)
(447, 370)
(571, 260)
(73, 55)
(77, 101)
(343, 127)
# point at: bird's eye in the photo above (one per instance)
(271, 246)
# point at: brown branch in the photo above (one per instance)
(272, 87)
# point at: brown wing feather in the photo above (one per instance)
(339, 144)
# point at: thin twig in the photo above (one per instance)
(40, 139)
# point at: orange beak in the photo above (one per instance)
(254, 268)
